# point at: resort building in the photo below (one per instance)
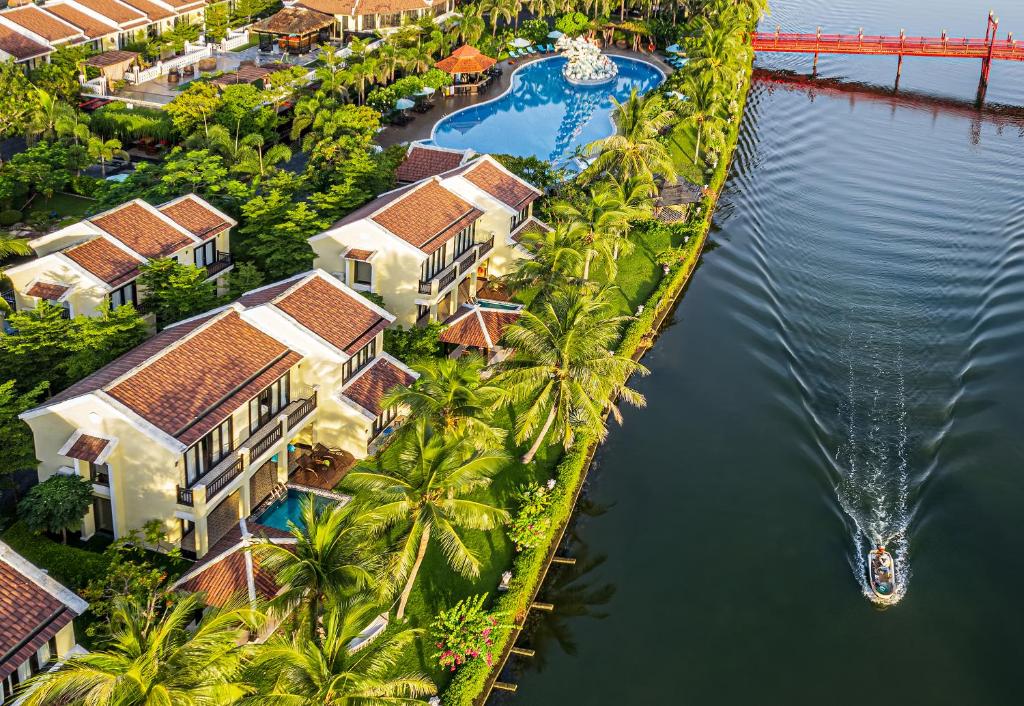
(96, 261)
(368, 16)
(36, 621)
(424, 161)
(479, 328)
(428, 247)
(29, 33)
(199, 425)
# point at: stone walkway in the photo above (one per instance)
(422, 124)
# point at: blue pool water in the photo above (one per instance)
(288, 508)
(543, 115)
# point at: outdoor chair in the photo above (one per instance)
(551, 48)
(513, 54)
(531, 50)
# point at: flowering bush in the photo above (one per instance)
(464, 632)
(530, 527)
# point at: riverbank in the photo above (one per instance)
(474, 681)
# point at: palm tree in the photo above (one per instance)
(302, 672)
(603, 218)
(454, 398)
(105, 150)
(425, 497)
(472, 27)
(714, 52)
(329, 560)
(417, 59)
(47, 113)
(563, 367)
(507, 10)
(556, 258)
(255, 160)
(703, 109)
(636, 147)
(153, 657)
(359, 73)
(11, 246)
(332, 75)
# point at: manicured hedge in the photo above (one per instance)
(71, 566)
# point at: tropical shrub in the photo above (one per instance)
(56, 505)
(464, 632)
(532, 524)
(572, 23)
(409, 344)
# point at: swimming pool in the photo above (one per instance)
(543, 115)
(289, 509)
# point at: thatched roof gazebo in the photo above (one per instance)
(295, 29)
(675, 199)
(468, 65)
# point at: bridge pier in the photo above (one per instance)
(899, 70)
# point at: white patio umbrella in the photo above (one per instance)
(554, 34)
(519, 42)
(673, 49)
(425, 91)
(404, 104)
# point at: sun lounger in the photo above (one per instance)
(513, 54)
(551, 47)
(531, 50)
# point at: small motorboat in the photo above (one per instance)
(882, 575)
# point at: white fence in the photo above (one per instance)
(190, 57)
(234, 40)
(95, 87)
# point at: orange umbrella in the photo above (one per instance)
(466, 60)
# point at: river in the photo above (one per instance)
(848, 363)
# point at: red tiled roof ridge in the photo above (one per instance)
(511, 195)
(425, 242)
(367, 395)
(187, 237)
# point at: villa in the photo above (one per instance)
(36, 621)
(29, 33)
(368, 16)
(201, 424)
(96, 261)
(429, 246)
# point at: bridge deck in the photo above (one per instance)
(967, 48)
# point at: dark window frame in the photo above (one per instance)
(363, 357)
(119, 293)
(208, 451)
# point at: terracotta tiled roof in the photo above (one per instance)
(135, 357)
(330, 7)
(423, 162)
(530, 225)
(92, 27)
(142, 230)
(29, 617)
(466, 60)
(247, 74)
(180, 5)
(367, 389)
(388, 7)
(122, 15)
(192, 387)
(342, 319)
(263, 295)
(151, 10)
(508, 189)
(357, 254)
(111, 58)
(20, 46)
(479, 327)
(87, 448)
(428, 216)
(105, 260)
(42, 23)
(192, 215)
(47, 290)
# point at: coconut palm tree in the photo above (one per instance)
(255, 159)
(472, 26)
(715, 52)
(507, 10)
(703, 108)
(11, 246)
(359, 73)
(46, 114)
(332, 75)
(302, 672)
(564, 366)
(452, 395)
(424, 497)
(153, 657)
(556, 258)
(104, 150)
(636, 147)
(329, 561)
(601, 215)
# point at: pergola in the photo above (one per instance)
(467, 65)
(295, 29)
(113, 65)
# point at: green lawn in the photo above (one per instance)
(68, 207)
(682, 143)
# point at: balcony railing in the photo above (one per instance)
(485, 247)
(467, 261)
(426, 287)
(264, 444)
(447, 279)
(223, 262)
(305, 407)
(185, 496)
(226, 477)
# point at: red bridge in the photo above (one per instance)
(986, 49)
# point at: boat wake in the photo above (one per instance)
(874, 480)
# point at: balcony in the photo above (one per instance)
(99, 476)
(264, 439)
(467, 261)
(446, 276)
(223, 262)
(486, 246)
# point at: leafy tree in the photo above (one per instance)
(339, 199)
(304, 672)
(175, 291)
(16, 99)
(414, 343)
(217, 21)
(15, 435)
(58, 504)
(194, 107)
(242, 111)
(105, 150)
(564, 368)
(59, 76)
(276, 233)
(245, 277)
(452, 395)
(41, 168)
(97, 340)
(331, 559)
(423, 492)
(38, 349)
(152, 657)
(196, 171)
(539, 172)
(464, 632)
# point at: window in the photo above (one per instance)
(363, 272)
(433, 264)
(99, 473)
(382, 421)
(422, 312)
(369, 22)
(206, 254)
(357, 362)
(265, 406)
(208, 451)
(464, 240)
(125, 295)
(520, 217)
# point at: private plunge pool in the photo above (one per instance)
(288, 508)
(543, 115)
